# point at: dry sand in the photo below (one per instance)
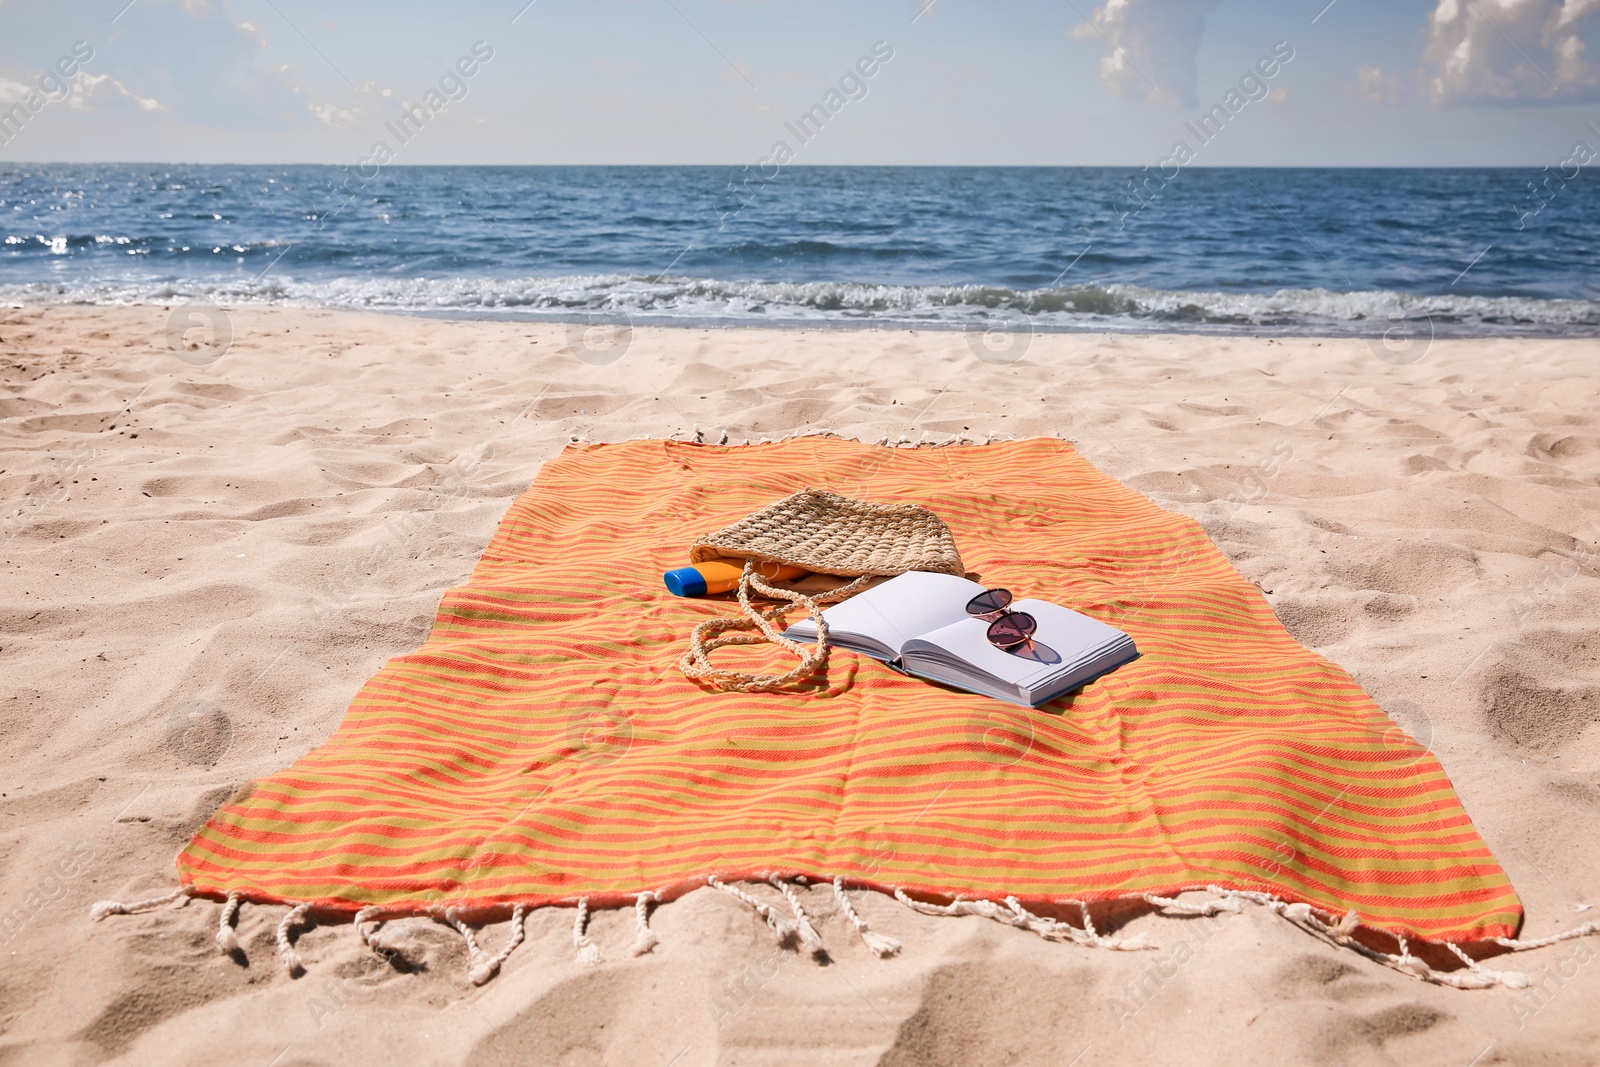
(239, 543)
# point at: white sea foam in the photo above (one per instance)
(1112, 307)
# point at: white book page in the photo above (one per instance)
(889, 615)
(1066, 640)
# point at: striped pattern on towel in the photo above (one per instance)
(542, 745)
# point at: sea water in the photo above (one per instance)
(1341, 251)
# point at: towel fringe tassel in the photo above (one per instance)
(101, 909)
(369, 938)
(227, 939)
(453, 917)
(484, 965)
(725, 438)
(481, 964)
(1586, 930)
(780, 926)
(488, 966)
(286, 952)
(809, 938)
(881, 945)
(646, 938)
(1340, 932)
(1202, 908)
(589, 953)
(1014, 914)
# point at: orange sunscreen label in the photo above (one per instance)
(722, 576)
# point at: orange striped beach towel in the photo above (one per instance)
(542, 746)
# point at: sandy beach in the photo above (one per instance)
(208, 548)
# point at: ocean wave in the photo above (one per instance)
(677, 299)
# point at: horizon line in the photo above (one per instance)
(789, 166)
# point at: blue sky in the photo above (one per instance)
(1417, 82)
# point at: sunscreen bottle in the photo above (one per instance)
(722, 576)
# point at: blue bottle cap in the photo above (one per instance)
(685, 581)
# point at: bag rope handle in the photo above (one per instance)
(756, 628)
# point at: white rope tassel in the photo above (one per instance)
(1203, 908)
(1339, 933)
(1014, 914)
(1051, 929)
(103, 908)
(1505, 978)
(1088, 923)
(453, 917)
(286, 952)
(985, 908)
(489, 966)
(588, 951)
(802, 924)
(1586, 930)
(780, 926)
(368, 914)
(881, 945)
(646, 939)
(227, 940)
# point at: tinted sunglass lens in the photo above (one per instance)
(989, 601)
(1012, 630)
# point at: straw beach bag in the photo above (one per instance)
(824, 533)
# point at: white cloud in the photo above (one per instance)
(1152, 46)
(1511, 51)
(13, 92)
(89, 84)
(333, 115)
(253, 31)
(1373, 85)
(84, 87)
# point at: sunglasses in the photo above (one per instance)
(1008, 630)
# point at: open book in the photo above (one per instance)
(918, 622)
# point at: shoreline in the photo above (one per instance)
(1022, 325)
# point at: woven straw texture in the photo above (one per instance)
(830, 534)
(542, 745)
